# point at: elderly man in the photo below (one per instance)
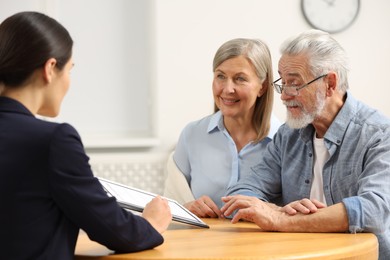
(330, 163)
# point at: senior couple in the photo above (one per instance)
(327, 169)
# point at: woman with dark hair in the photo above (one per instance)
(47, 189)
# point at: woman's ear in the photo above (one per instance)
(48, 70)
(263, 88)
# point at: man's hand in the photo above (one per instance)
(263, 214)
(304, 206)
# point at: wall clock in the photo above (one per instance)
(330, 15)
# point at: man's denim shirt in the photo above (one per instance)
(357, 173)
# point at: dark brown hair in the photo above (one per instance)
(27, 41)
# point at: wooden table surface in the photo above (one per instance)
(241, 241)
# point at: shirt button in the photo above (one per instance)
(310, 154)
(307, 181)
(338, 141)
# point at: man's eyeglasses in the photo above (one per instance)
(292, 90)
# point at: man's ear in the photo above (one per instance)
(332, 81)
(48, 70)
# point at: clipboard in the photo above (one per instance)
(136, 199)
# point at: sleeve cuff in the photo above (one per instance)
(354, 210)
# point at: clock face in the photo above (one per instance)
(330, 15)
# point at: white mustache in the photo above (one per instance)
(292, 103)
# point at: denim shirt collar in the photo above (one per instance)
(337, 129)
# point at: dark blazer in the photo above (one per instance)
(48, 192)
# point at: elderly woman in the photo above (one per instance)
(213, 152)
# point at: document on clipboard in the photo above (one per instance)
(136, 199)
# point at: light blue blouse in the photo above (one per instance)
(207, 156)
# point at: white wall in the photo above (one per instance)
(110, 83)
(190, 31)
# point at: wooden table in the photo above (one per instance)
(242, 241)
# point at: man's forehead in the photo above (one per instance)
(292, 66)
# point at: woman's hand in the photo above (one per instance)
(204, 207)
(158, 213)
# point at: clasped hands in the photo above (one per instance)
(266, 215)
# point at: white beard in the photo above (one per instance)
(307, 117)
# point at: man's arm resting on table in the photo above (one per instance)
(330, 219)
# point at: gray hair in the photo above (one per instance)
(324, 54)
(254, 50)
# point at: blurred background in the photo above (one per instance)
(143, 68)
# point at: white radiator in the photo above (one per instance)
(143, 171)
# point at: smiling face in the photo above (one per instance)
(236, 88)
(304, 108)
